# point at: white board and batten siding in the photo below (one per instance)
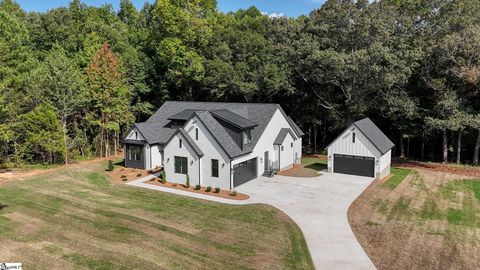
(362, 146)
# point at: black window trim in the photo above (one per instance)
(180, 164)
(215, 169)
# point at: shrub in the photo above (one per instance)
(125, 179)
(139, 174)
(163, 175)
(197, 187)
(123, 176)
(2, 206)
(110, 166)
(233, 193)
(187, 184)
(217, 190)
(209, 188)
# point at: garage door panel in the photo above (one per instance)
(356, 165)
(244, 172)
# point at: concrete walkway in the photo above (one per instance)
(318, 205)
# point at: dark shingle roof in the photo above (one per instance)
(375, 135)
(295, 127)
(156, 132)
(183, 115)
(234, 119)
(191, 142)
(136, 142)
(155, 129)
(220, 134)
(282, 134)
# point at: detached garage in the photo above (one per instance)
(362, 149)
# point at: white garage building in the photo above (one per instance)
(362, 149)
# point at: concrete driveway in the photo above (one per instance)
(319, 206)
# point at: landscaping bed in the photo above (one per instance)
(419, 219)
(121, 174)
(226, 194)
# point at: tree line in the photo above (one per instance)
(74, 79)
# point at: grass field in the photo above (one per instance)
(79, 219)
(420, 220)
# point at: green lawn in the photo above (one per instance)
(398, 174)
(78, 219)
(314, 163)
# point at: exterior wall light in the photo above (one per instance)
(168, 159)
(329, 157)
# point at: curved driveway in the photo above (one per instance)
(318, 205)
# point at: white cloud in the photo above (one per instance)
(274, 14)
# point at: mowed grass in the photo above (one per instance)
(398, 174)
(78, 219)
(314, 163)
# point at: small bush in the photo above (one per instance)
(187, 184)
(209, 188)
(123, 176)
(110, 166)
(217, 190)
(163, 175)
(139, 174)
(197, 187)
(233, 193)
(2, 206)
(124, 179)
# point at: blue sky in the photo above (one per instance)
(291, 8)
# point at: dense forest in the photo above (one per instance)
(73, 80)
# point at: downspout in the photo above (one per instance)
(199, 171)
(231, 184)
(151, 164)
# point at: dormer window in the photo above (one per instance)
(247, 136)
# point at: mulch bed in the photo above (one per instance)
(299, 170)
(222, 194)
(125, 175)
(321, 157)
(466, 170)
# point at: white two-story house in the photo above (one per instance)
(216, 144)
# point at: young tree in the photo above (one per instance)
(110, 98)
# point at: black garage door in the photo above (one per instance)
(364, 166)
(244, 172)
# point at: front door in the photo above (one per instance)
(267, 162)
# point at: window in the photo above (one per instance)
(134, 152)
(247, 136)
(282, 147)
(136, 135)
(291, 144)
(196, 134)
(353, 137)
(179, 143)
(214, 167)
(181, 165)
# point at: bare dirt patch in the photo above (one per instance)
(471, 171)
(429, 221)
(203, 190)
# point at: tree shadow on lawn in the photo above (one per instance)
(316, 166)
